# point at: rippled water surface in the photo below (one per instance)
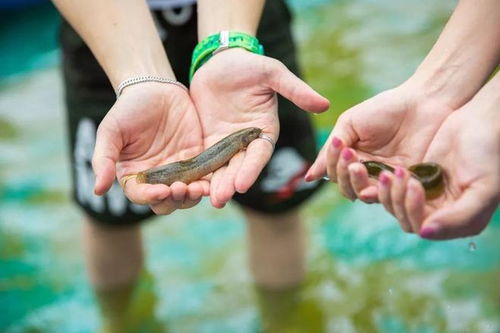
(364, 274)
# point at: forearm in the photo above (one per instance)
(465, 54)
(234, 15)
(121, 34)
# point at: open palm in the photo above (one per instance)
(394, 127)
(237, 89)
(150, 124)
(471, 160)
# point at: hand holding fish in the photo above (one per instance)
(467, 145)
(149, 125)
(237, 89)
(393, 127)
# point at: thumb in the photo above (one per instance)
(342, 135)
(467, 216)
(287, 84)
(106, 153)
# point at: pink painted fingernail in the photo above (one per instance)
(336, 142)
(399, 172)
(347, 154)
(384, 179)
(429, 231)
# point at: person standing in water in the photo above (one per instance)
(153, 123)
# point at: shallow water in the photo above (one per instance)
(364, 274)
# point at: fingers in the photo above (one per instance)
(318, 168)
(225, 187)
(332, 157)
(328, 157)
(369, 194)
(106, 152)
(343, 177)
(415, 203)
(467, 216)
(343, 135)
(256, 156)
(398, 194)
(404, 197)
(165, 199)
(385, 180)
(342, 166)
(215, 181)
(168, 206)
(394, 194)
(145, 194)
(294, 89)
(358, 174)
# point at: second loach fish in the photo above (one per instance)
(429, 174)
(213, 158)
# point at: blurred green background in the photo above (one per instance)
(364, 274)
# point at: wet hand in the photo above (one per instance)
(237, 89)
(394, 127)
(468, 147)
(150, 124)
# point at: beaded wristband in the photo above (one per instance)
(222, 41)
(147, 78)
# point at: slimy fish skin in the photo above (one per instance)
(195, 168)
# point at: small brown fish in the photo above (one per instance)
(429, 174)
(213, 158)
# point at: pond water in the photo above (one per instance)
(364, 274)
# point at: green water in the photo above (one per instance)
(364, 274)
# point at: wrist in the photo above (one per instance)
(152, 89)
(485, 102)
(140, 70)
(216, 43)
(444, 83)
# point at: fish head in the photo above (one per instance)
(251, 134)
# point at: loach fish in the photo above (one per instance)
(213, 158)
(429, 174)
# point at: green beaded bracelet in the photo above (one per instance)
(222, 41)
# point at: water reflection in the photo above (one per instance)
(131, 308)
(289, 311)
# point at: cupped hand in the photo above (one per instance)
(467, 146)
(394, 127)
(151, 124)
(237, 89)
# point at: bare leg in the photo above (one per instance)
(114, 256)
(276, 249)
(123, 289)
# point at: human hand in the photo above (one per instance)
(394, 127)
(149, 125)
(237, 89)
(467, 146)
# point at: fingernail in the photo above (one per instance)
(307, 177)
(384, 179)
(399, 172)
(346, 154)
(429, 231)
(336, 142)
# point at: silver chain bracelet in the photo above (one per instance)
(147, 78)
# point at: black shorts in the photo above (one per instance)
(89, 95)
